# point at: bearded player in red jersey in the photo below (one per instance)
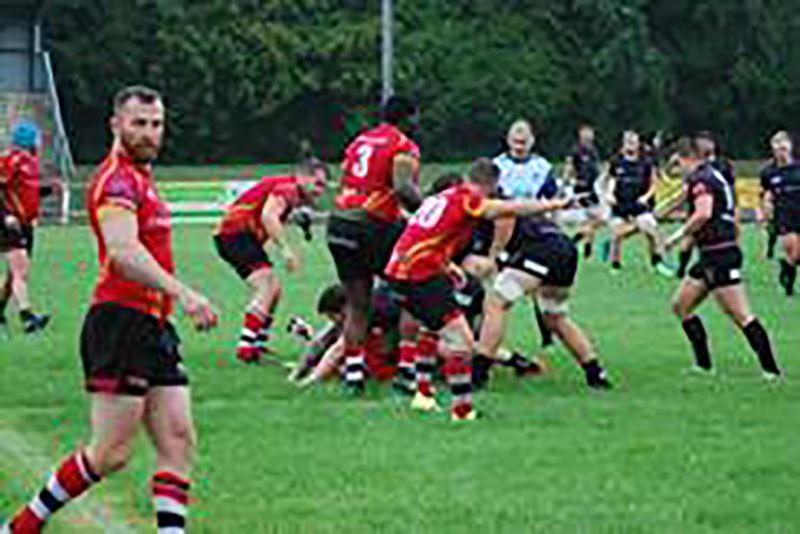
(420, 272)
(19, 210)
(256, 218)
(361, 237)
(129, 348)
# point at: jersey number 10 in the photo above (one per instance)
(431, 211)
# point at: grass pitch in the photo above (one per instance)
(663, 452)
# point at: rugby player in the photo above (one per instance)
(19, 210)
(712, 226)
(525, 174)
(631, 183)
(420, 272)
(254, 220)
(583, 168)
(780, 184)
(539, 260)
(708, 144)
(129, 348)
(361, 236)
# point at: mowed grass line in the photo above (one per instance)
(662, 453)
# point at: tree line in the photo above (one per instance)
(249, 80)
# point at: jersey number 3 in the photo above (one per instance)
(361, 167)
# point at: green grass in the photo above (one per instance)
(661, 453)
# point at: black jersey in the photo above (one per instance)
(725, 168)
(720, 229)
(634, 176)
(783, 181)
(531, 229)
(586, 162)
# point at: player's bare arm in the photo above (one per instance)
(404, 169)
(503, 230)
(651, 191)
(271, 218)
(703, 210)
(495, 209)
(127, 254)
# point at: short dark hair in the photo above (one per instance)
(445, 181)
(332, 300)
(142, 93)
(397, 109)
(310, 166)
(483, 171)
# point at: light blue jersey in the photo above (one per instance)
(531, 177)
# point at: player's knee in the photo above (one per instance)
(110, 458)
(553, 321)
(455, 339)
(181, 441)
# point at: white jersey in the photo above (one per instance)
(523, 178)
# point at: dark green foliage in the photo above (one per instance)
(248, 80)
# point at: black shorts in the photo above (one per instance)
(360, 245)
(430, 301)
(127, 352)
(629, 210)
(718, 268)
(243, 252)
(15, 239)
(787, 221)
(589, 198)
(553, 259)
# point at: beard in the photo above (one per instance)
(140, 152)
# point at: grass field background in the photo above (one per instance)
(663, 452)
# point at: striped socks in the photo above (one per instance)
(354, 368)
(458, 374)
(426, 362)
(71, 480)
(255, 331)
(171, 497)
(405, 380)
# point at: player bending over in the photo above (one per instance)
(780, 184)
(419, 272)
(632, 185)
(129, 348)
(255, 219)
(712, 226)
(539, 261)
(361, 236)
(19, 210)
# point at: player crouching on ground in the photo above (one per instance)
(256, 218)
(418, 272)
(325, 355)
(541, 261)
(712, 225)
(19, 210)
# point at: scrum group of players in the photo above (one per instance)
(411, 269)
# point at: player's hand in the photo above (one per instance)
(291, 262)
(611, 200)
(674, 239)
(198, 308)
(12, 223)
(457, 275)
